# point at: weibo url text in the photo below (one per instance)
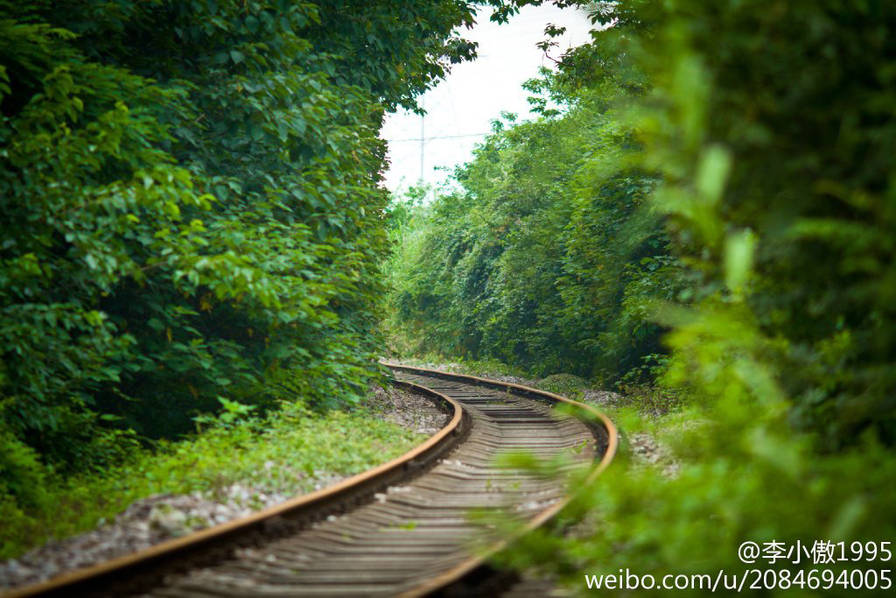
(749, 580)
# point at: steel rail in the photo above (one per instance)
(140, 570)
(365, 483)
(609, 451)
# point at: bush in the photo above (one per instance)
(544, 257)
(191, 209)
(765, 126)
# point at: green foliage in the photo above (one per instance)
(191, 209)
(487, 368)
(288, 451)
(780, 193)
(23, 476)
(565, 385)
(544, 258)
(765, 129)
(752, 482)
(232, 412)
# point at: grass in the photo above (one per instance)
(285, 452)
(567, 385)
(648, 400)
(472, 367)
(639, 408)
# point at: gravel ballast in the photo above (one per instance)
(157, 518)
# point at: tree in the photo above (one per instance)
(191, 208)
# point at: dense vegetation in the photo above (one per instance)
(191, 212)
(707, 205)
(285, 452)
(526, 263)
(704, 209)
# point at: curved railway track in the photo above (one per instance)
(401, 529)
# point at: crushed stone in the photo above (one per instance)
(157, 518)
(406, 409)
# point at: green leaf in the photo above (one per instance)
(712, 173)
(740, 248)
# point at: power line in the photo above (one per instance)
(418, 139)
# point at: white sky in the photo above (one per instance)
(461, 108)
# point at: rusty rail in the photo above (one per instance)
(397, 529)
(599, 423)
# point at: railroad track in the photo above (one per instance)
(401, 529)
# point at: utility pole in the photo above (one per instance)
(422, 139)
